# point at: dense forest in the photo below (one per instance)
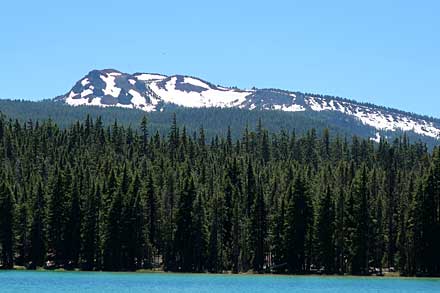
(116, 198)
(212, 119)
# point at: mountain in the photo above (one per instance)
(156, 92)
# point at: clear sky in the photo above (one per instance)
(379, 51)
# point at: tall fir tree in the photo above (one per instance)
(7, 236)
(326, 231)
(361, 235)
(37, 233)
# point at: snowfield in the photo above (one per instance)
(209, 97)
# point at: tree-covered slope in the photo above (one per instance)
(214, 120)
(119, 198)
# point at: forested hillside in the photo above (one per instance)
(215, 121)
(118, 198)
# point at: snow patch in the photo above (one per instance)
(110, 85)
(376, 118)
(376, 138)
(86, 92)
(196, 82)
(149, 76)
(293, 108)
(319, 105)
(85, 81)
(136, 99)
(209, 98)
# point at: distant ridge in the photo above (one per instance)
(154, 92)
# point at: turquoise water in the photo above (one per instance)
(46, 282)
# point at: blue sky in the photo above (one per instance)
(384, 52)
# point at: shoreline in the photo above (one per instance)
(247, 274)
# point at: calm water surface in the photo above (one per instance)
(46, 282)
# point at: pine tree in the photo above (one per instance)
(278, 243)
(56, 221)
(236, 235)
(226, 221)
(200, 235)
(113, 242)
(135, 226)
(326, 220)
(168, 231)
(173, 139)
(7, 209)
(73, 233)
(37, 233)
(214, 262)
(259, 228)
(144, 130)
(298, 216)
(340, 230)
(378, 248)
(430, 222)
(90, 234)
(184, 239)
(361, 236)
(152, 215)
(21, 222)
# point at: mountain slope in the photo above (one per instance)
(156, 92)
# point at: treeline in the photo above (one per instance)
(212, 119)
(118, 198)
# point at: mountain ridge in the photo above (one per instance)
(155, 92)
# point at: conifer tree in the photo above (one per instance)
(361, 235)
(37, 233)
(326, 220)
(113, 242)
(184, 239)
(152, 215)
(90, 234)
(6, 226)
(56, 221)
(144, 129)
(278, 243)
(73, 231)
(200, 235)
(214, 262)
(298, 216)
(259, 231)
(236, 235)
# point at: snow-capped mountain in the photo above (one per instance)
(154, 92)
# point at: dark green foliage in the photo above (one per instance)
(185, 228)
(113, 235)
(214, 120)
(57, 217)
(91, 229)
(361, 233)
(6, 226)
(259, 232)
(326, 231)
(37, 232)
(98, 197)
(298, 221)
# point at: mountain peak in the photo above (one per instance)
(154, 92)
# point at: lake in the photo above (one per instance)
(46, 282)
